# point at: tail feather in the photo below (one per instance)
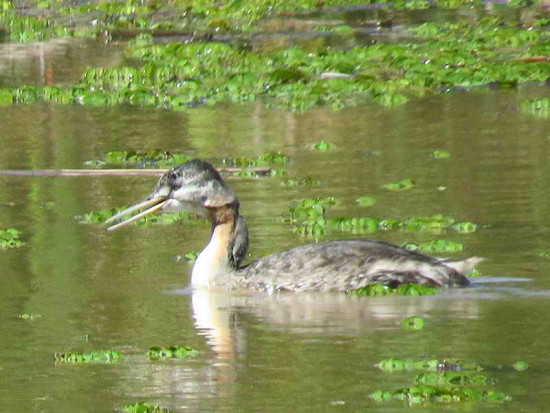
(462, 266)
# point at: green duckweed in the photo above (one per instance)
(29, 316)
(379, 290)
(179, 352)
(452, 378)
(430, 365)
(366, 201)
(10, 238)
(190, 257)
(520, 365)
(309, 219)
(307, 181)
(99, 216)
(98, 356)
(143, 407)
(322, 146)
(440, 394)
(401, 185)
(441, 154)
(179, 76)
(413, 323)
(434, 246)
(539, 108)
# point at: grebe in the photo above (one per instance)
(340, 265)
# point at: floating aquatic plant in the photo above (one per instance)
(171, 352)
(412, 323)
(434, 365)
(322, 146)
(266, 159)
(464, 227)
(402, 185)
(452, 378)
(99, 356)
(190, 257)
(29, 316)
(99, 216)
(440, 394)
(434, 246)
(539, 108)
(309, 219)
(153, 158)
(366, 201)
(9, 238)
(179, 76)
(520, 365)
(442, 381)
(440, 154)
(307, 181)
(378, 290)
(143, 407)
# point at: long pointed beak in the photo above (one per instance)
(149, 207)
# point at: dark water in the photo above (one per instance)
(303, 352)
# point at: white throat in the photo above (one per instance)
(213, 262)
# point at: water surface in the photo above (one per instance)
(305, 352)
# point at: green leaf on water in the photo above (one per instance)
(307, 181)
(143, 407)
(9, 238)
(413, 323)
(520, 365)
(452, 378)
(464, 227)
(365, 201)
(377, 290)
(431, 365)
(321, 146)
(440, 394)
(6, 97)
(27, 316)
(190, 257)
(171, 352)
(440, 154)
(539, 108)
(434, 246)
(402, 185)
(99, 216)
(97, 356)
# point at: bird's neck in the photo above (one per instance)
(216, 264)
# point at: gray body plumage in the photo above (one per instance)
(346, 265)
